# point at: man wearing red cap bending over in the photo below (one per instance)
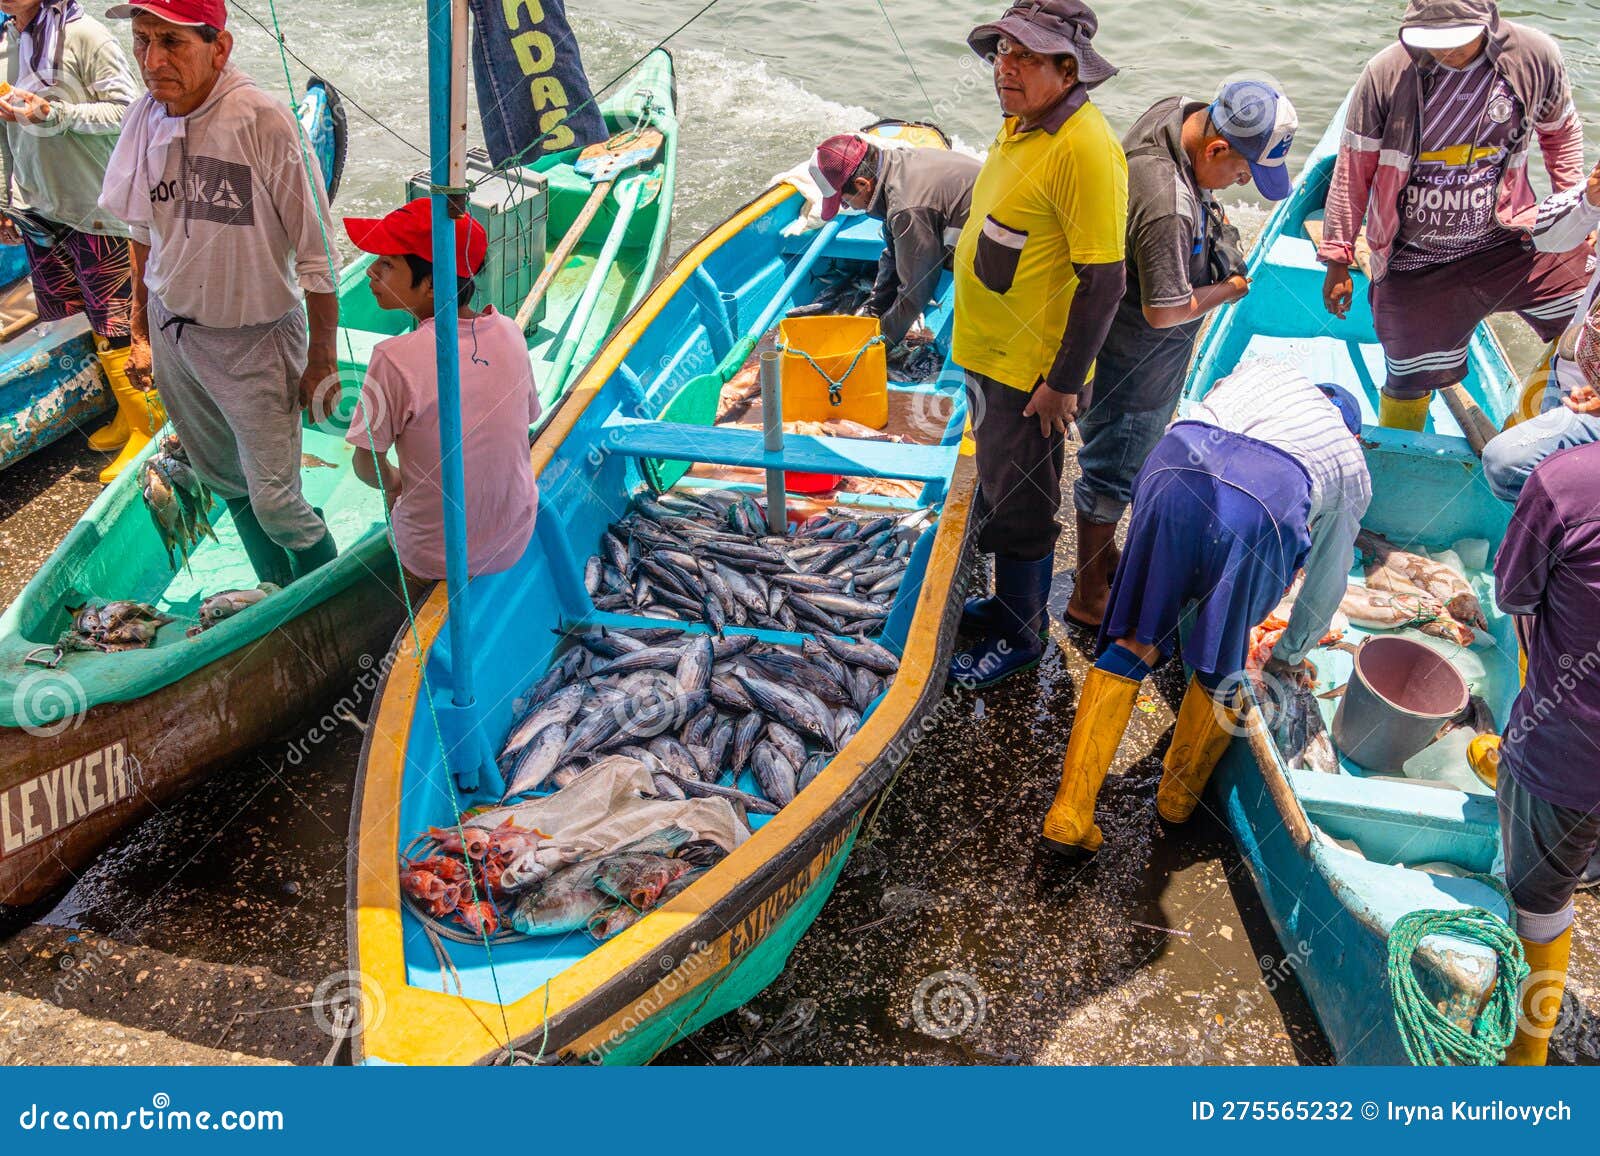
(228, 218)
(400, 401)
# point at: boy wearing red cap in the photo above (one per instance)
(399, 404)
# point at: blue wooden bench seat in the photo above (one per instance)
(678, 442)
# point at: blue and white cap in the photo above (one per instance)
(1258, 120)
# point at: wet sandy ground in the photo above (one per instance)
(950, 939)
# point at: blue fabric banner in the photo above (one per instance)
(533, 95)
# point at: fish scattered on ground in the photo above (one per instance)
(309, 461)
(113, 626)
(178, 501)
(226, 603)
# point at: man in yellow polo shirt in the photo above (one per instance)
(1038, 274)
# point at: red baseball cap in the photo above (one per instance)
(831, 165)
(192, 13)
(409, 229)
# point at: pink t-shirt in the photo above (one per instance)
(400, 404)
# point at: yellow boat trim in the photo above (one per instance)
(403, 1024)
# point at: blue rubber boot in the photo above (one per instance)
(1021, 595)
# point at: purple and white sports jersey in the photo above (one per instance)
(1469, 118)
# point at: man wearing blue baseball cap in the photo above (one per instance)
(1184, 260)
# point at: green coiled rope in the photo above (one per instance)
(1430, 1038)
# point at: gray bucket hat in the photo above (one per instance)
(1443, 24)
(1050, 28)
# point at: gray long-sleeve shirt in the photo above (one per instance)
(922, 199)
(54, 169)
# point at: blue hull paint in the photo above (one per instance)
(1336, 858)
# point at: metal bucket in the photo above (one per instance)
(1399, 694)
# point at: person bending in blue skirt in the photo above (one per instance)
(1263, 476)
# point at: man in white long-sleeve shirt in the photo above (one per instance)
(70, 86)
(1263, 476)
(228, 218)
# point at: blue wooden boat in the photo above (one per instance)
(50, 379)
(1338, 857)
(728, 935)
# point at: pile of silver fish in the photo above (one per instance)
(484, 880)
(113, 626)
(708, 558)
(178, 501)
(226, 603)
(708, 716)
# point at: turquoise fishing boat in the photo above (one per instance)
(91, 742)
(642, 413)
(50, 379)
(1339, 858)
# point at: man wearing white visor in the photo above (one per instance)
(1434, 159)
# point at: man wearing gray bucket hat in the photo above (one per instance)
(1038, 275)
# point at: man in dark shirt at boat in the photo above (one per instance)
(1548, 574)
(921, 195)
(1184, 260)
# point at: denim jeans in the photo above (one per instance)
(1116, 442)
(1510, 457)
(533, 96)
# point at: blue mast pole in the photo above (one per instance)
(460, 739)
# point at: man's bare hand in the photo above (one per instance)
(138, 367)
(1583, 399)
(1591, 192)
(321, 379)
(23, 107)
(1337, 289)
(1300, 673)
(1053, 408)
(1239, 286)
(9, 233)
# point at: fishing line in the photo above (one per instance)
(899, 44)
(283, 48)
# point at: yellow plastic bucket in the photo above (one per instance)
(834, 367)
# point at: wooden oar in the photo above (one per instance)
(1474, 423)
(602, 163)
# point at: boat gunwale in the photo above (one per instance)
(580, 997)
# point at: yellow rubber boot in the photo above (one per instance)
(1540, 1000)
(1104, 708)
(114, 434)
(1394, 413)
(1483, 756)
(1198, 741)
(139, 408)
